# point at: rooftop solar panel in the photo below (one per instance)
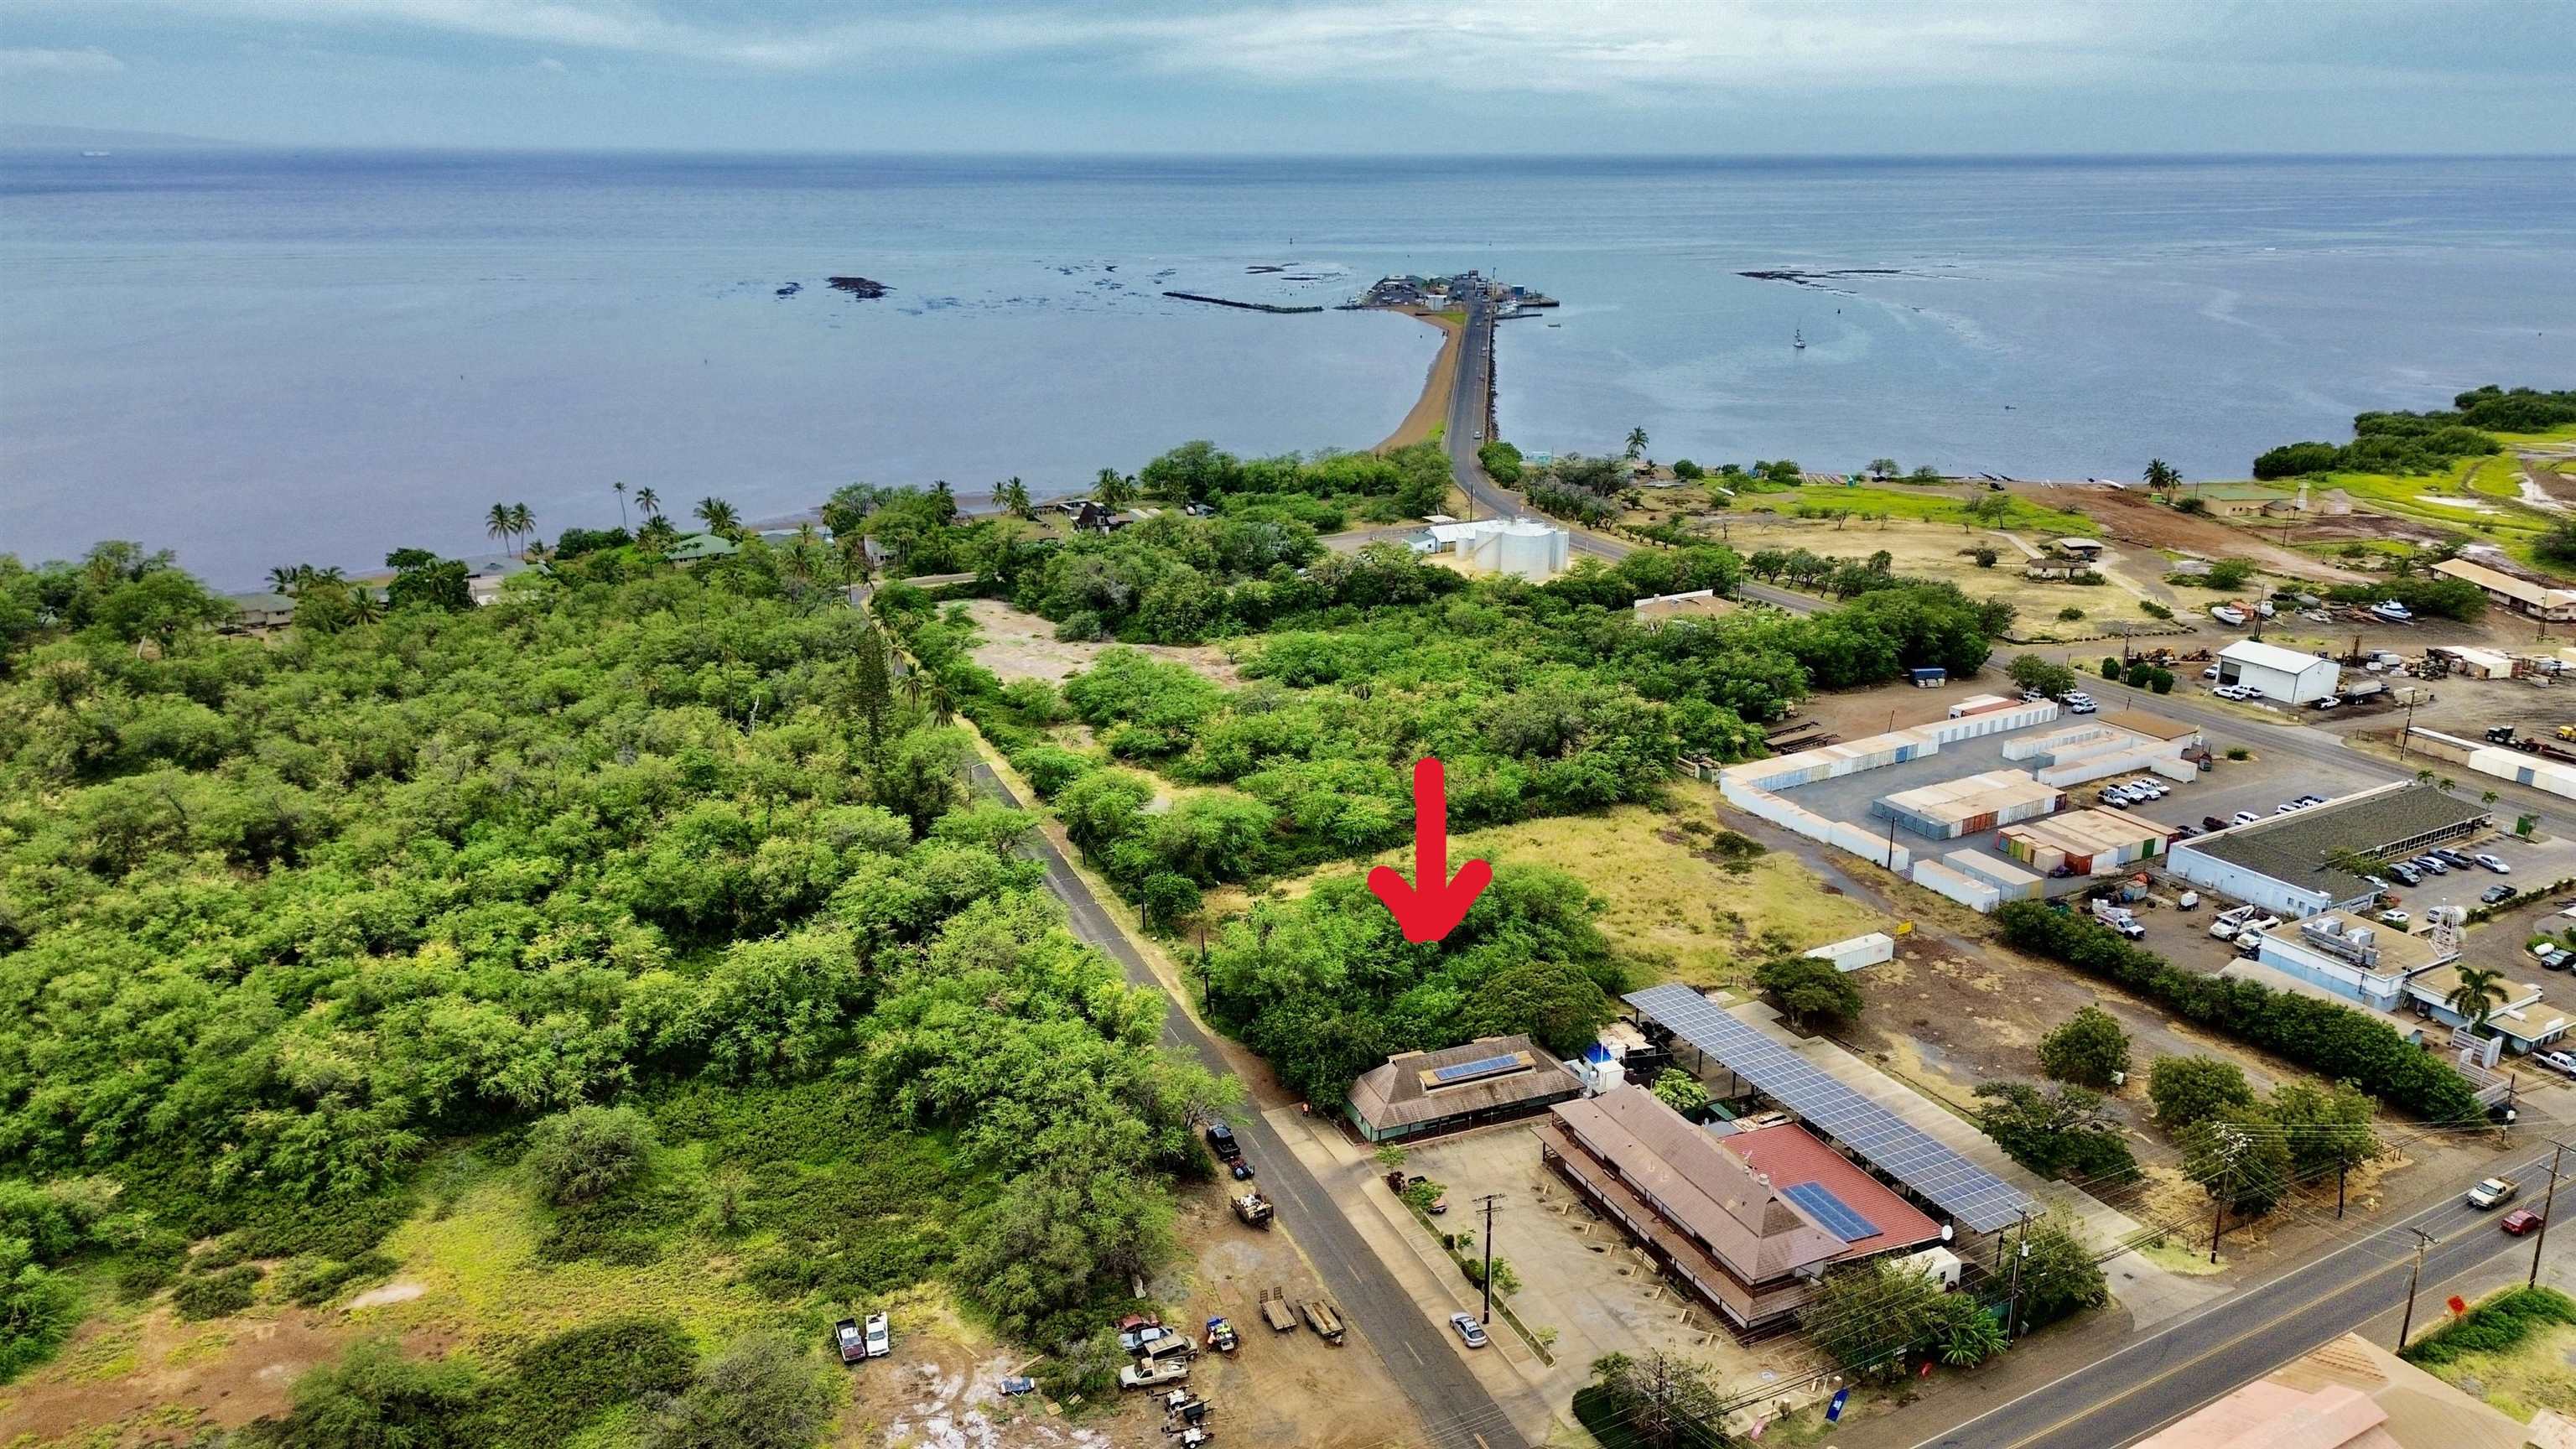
(1837, 1216)
(1967, 1192)
(1481, 1067)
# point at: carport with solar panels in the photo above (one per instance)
(1972, 1197)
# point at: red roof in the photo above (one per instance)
(1789, 1155)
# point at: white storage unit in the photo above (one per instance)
(1857, 952)
(1975, 894)
(2285, 676)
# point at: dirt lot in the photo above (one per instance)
(144, 1377)
(2130, 517)
(1020, 645)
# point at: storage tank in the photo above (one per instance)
(1530, 550)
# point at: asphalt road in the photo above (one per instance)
(2154, 1380)
(1456, 1411)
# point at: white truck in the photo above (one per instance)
(2118, 918)
(1154, 1374)
(2239, 920)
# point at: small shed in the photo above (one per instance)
(1928, 678)
(1857, 952)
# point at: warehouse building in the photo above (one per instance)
(2289, 863)
(2533, 601)
(1490, 1079)
(2283, 675)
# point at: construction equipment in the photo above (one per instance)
(1324, 1319)
(1253, 1209)
(1275, 1311)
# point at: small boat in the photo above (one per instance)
(2391, 609)
(2228, 614)
(1798, 339)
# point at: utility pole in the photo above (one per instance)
(2541, 1234)
(2012, 1304)
(2406, 1325)
(1488, 1201)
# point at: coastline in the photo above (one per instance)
(1430, 408)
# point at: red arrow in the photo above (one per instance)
(1433, 905)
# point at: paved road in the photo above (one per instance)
(2176, 1369)
(1456, 1410)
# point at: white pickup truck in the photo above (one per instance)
(1155, 1374)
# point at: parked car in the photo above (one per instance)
(2497, 895)
(2430, 865)
(2326, 702)
(2244, 817)
(2312, 799)
(2494, 1192)
(2212, 822)
(2556, 958)
(2495, 863)
(2557, 1061)
(2406, 873)
(880, 1336)
(1469, 1330)
(2075, 696)
(2453, 857)
(2210, 673)
(2084, 707)
(2519, 1222)
(2395, 918)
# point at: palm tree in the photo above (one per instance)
(287, 578)
(657, 534)
(1636, 442)
(364, 606)
(1014, 495)
(718, 516)
(2479, 992)
(2161, 475)
(1113, 489)
(854, 557)
(620, 486)
(2489, 799)
(522, 523)
(943, 704)
(947, 497)
(498, 523)
(649, 501)
(912, 686)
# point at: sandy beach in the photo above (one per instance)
(1429, 408)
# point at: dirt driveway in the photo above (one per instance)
(1020, 645)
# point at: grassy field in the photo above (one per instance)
(1925, 504)
(1673, 893)
(2479, 497)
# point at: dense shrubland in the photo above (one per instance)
(2398, 442)
(642, 860)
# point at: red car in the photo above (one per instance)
(2520, 1221)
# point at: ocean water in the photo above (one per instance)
(271, 357)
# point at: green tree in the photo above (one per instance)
(2325, 1128)
(500, 524)
(2161, 476)
(1682, 1092)
(375, 1398)
(2477, 994)
(1866, 1314)
(2041, 676)
(2060, 1271)
(578, 1155)
(2089, 1049)
(2190, 1089)
(38, 1308)
(1663, 1399)
(764, 1392)
(2060, 1132)
(1962, 1333)
(2229, 574)
(2238, 1157)
(718, 516)
(1636, 443)
(1802, 986)
(1113, 489)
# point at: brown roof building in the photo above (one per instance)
(1749, 1242)
(1490, 1079)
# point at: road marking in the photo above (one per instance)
(1417, 1354)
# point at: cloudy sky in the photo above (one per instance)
(1758, 76)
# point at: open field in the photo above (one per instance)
(472, 1281)
(1671, 894)
(2537, 1373)
(2481, 499)
(1016, 644)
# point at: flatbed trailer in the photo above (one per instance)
(1324, 1319)
(1276, 1312)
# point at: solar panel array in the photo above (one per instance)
(1886, 1141)
(1481, 1067)
(1836, 1215)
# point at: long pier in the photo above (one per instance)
(1246, 306)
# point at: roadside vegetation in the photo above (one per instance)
(646, 891)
